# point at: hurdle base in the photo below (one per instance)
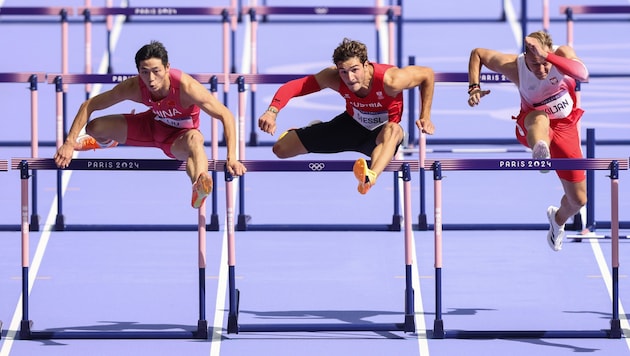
(438, 329)
(322, 327)
(243, 225)
(214, 223)
(26, 333)
(34, 225)
(527, 334)
(10, 227)
(135, 227)
(615, 329)
(60, 224)
(422, 223)
(25, 329)
(253, 139)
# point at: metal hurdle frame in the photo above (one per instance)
(4, 166)
(243, 219)
(61, 80)
(227, 14)
(613, 165)
(25, 166)
(404, 168)
(33, 79)
(393, 14)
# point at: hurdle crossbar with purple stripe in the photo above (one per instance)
(323, 10)
(61, 79)
(156, 11)
(35, 11)
(25, 166)
(243, 221)
(612, 165)
(408, 325)
(507, 164)
(596, 9)
(113, 164)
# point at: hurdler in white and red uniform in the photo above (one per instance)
(546, 77)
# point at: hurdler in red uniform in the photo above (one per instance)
(175, 100)
(370, 123)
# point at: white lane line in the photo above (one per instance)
(219, 308)
(514, 23)
(52, 213)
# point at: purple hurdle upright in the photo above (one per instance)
(613, 165)
(404, 168)
(25, 166)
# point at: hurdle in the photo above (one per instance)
(393, 14)
(591, 223)
(243, 219)
(165, 14)
(401, 167)
(33, 79)
(4, 166)
(612, 165)
(60, 80)
(26, 165)
(64, 14)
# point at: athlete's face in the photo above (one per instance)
(537, 65)
(354, 74)
(154, 74)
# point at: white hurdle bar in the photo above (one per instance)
(613, 165)
(25, 166)
(403, 167)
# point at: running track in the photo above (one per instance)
(138, 281)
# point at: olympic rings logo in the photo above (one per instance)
(316, 166)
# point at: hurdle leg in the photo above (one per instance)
(233, 293)
(410, 323)
(25, 324)
(438, 323)
(615, 323)
(396, 217)
(202, 323)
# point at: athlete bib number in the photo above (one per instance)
(180, 123)
(370, 120)
(558, 106)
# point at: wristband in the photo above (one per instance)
(270, 109)
(473, 86)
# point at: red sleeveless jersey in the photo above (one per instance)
(169, 110)
(377, 107)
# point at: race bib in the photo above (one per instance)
(180, 123)
(370, 120)
(558, 106)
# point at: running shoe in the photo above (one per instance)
(87, 142)
(365, 176)
(556, 232)
(541, 151)
(200, 190)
